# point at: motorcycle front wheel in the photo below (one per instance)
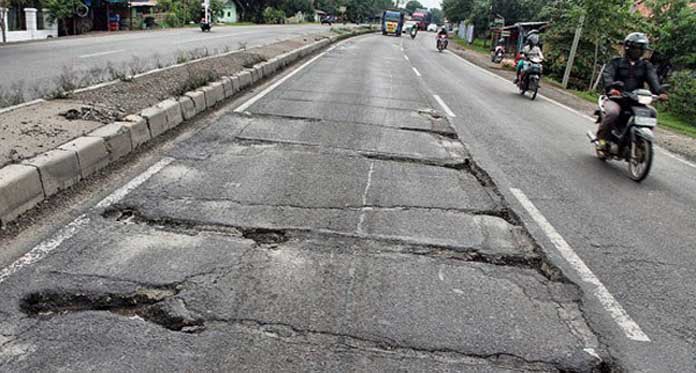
(640, 161)
(534, 88)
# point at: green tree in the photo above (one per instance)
(60, 10)
(412, 5)
(457, 10)
(672, 28)
(438, 16)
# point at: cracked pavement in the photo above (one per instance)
(339, 225)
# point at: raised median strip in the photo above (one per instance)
(23, 186)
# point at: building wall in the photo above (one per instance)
(229, 14)
(32, 32)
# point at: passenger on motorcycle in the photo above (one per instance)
(530, 52)
(626, 74)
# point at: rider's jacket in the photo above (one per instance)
(634, 75)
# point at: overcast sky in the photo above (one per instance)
(430, 3)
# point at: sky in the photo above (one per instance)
(427, 3)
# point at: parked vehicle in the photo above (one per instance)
(392, 22)
(632, 138)
(408, 25)
(442, 41)
(328, 20)
(530, 78)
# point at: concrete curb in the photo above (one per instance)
(25, 185)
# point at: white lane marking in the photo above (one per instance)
(45, 247)
(444, 106)
(121, 192)
(615, 310)
(440, 274)
(570, 109)
(101, 53)
(406, 57)
(363, 214)
(275, 85)
(416, 71)
(676, 157)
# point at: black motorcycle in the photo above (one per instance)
(531, 79)
(632, 138)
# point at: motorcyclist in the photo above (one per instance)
(530, 52)
(443, 31)
(626, 73)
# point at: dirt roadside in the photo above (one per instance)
(34, 129)
(672, 141)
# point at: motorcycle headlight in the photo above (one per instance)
(645, 100)
(645, 121)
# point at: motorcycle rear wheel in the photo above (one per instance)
(640, 161)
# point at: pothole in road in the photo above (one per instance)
(155, 305)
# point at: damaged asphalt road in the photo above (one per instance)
(337, 226)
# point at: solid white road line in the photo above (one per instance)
(101, 53)
(41, 250)
(416, 71)
(121, 192)
(444, 106)
(577, 112)
(275, 85)
(615, 310)
(44, 248)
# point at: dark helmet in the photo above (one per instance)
(533, 39)
(635, 45)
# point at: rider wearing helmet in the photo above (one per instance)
(530, 52)
(627, 73)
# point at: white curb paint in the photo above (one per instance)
(615, 310)
(444, 106)
(45, 247)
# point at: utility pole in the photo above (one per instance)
(573, 50)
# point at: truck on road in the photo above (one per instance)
(423, 17)
(392, 22)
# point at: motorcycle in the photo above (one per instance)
(414, 31)
(632, 138)
(441, 42)
(205, 25)
(531, 78)
(498, 54)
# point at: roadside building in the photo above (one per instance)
(27, 23)
(229, 13)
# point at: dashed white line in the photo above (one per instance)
(406, 57)
(570, 109)
(444, 106)
(615, 310)
(101, 53)
(416, 71)
(44, 248)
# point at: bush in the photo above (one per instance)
(272, 15)
(682, 100)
